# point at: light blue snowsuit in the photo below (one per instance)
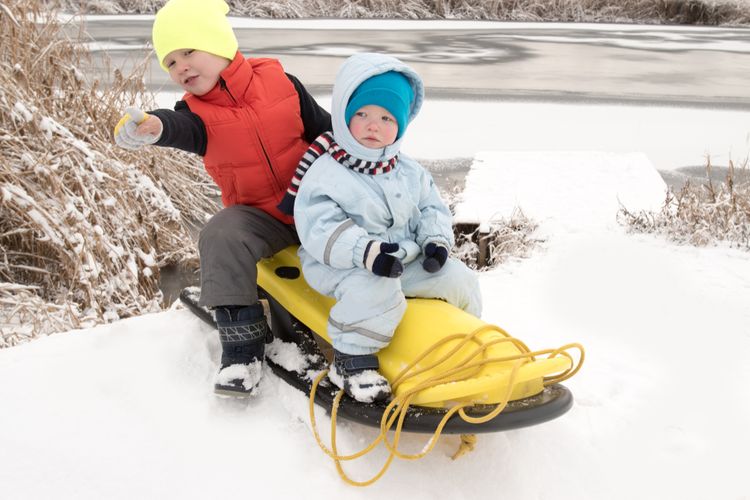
(338, 211)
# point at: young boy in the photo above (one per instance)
(251, 123)
(371, 222)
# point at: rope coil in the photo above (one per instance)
(396, 410)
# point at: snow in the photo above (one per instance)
(249, 374)
(366, 386)
(671, 137)
(126, 410)
(286, 355)
(581, 190)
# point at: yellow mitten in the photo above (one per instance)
(127, 133)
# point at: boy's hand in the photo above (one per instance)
(435, 257)
(379, 262)
(137, 129)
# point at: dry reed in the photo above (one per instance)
(705, 12)
(700, 214)
(85, 225)
(504, 239)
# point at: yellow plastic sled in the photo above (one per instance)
(440, 356)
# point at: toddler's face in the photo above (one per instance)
(194, 70)
(373, 126)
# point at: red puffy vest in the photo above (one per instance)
(255, 133)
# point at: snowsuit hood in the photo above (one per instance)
(352, 73)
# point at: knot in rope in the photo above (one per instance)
(468, 442)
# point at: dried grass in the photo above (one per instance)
(486, 248)
(700, 214)
(85, 225)
(708, 12)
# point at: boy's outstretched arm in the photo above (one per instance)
(315, 119)
(183, 129)
(180, 129)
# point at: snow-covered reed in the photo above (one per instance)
(709, 12)
(85, 225)
(701, 213)
(483, 248)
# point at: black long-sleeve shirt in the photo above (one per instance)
(185, 130)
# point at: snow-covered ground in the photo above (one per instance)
(126, 411)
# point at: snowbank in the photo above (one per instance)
(125, 410)
(578, 190)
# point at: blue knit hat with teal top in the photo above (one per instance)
(391, 90)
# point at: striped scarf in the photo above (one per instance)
(326, 144)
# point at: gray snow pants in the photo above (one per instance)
(230, 246)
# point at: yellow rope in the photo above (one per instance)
(468, 441)
(395, 412)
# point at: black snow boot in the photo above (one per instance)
(243, 333)
(358, 375)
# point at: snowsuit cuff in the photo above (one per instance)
(438, 241)
(358, 256)
(408, 251)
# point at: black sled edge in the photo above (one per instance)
(552, 402)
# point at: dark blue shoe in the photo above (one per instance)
(359, 377)
(243, 332)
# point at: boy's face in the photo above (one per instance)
(373, 126)
(194, 70)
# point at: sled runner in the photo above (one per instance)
(489, 367)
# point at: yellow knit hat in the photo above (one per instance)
(193, 24)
